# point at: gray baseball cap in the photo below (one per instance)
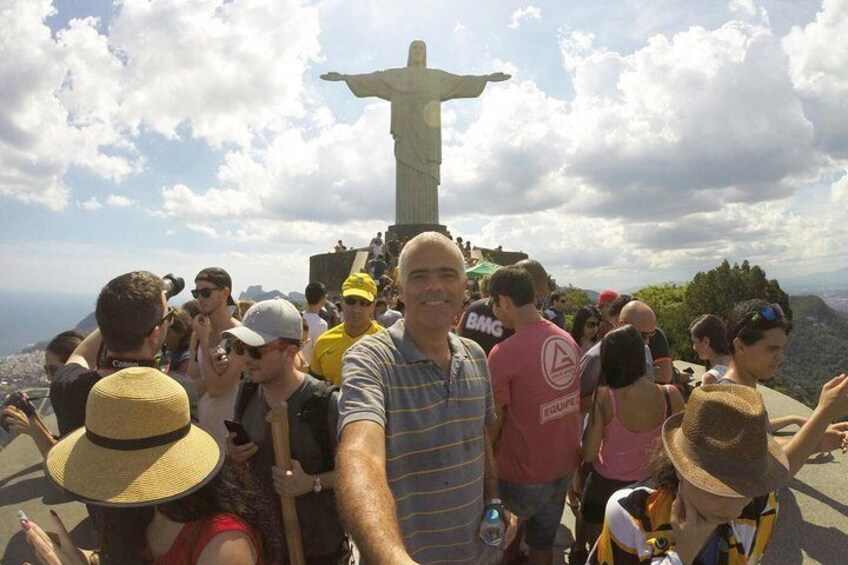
(268, 321)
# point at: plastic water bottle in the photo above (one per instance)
(492, 528)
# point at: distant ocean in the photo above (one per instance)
(27, 318)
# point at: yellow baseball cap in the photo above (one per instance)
(361, 285)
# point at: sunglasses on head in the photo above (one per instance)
(769, 313)
(204, 292)
(240, 348)
(165, 319)
(354, 301)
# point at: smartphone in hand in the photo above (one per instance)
(236, 428)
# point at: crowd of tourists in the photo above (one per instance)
(417, 417)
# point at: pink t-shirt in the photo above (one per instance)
(534, 378)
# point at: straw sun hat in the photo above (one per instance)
(720, 443)
(138, 446)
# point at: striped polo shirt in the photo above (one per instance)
(435, 436)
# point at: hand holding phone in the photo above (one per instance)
(236, 428)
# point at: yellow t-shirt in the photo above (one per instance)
(330, 347)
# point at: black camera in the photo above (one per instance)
(20, 401)
(173, 285)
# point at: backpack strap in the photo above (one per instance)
(248, 389)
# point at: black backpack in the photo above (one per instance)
(315, 412)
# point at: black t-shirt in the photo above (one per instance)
(320, 526)
(69, 394)
(377, 267)
(480, 324)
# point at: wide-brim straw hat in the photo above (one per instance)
(138, 446)
(721, 443)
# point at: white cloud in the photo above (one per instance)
(225, 72)
(91, 205)
(228, 70)
(574, 47)
(342, 173)
(749, 9)
(817, 55)
(208, 231)
(839, 190)
(521, 14)
(687, 123)
(40, 137)
(119, 201)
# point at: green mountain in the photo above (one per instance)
(817, 351)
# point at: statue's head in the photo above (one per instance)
(417, 54)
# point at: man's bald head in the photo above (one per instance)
(639, 315)
(540, 276)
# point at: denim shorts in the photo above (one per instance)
(540, 506)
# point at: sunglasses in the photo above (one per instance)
(769, 313)
(204, 292)
(51, 369)
(592, 324)
(354, 301)
(165, 319)
(240, 348)
(646, 336)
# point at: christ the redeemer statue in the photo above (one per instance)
(416, 94)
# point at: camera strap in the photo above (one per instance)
(118, 364)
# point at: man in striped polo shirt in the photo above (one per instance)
(415, 466)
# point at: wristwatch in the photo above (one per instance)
(316, 483)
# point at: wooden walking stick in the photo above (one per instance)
(279, 419)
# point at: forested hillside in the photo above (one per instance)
(818, 349)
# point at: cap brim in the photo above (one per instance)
(144, 477)
(249, 337)
(773, 473)
(360, 293)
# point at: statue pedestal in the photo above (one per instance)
(408, 231)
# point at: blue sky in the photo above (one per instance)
(637, 142)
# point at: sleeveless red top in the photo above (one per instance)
(194, 536)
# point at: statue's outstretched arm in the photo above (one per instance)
(365, 85)
(333, 76)
(498, 77)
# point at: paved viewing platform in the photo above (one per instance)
(812, 526)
